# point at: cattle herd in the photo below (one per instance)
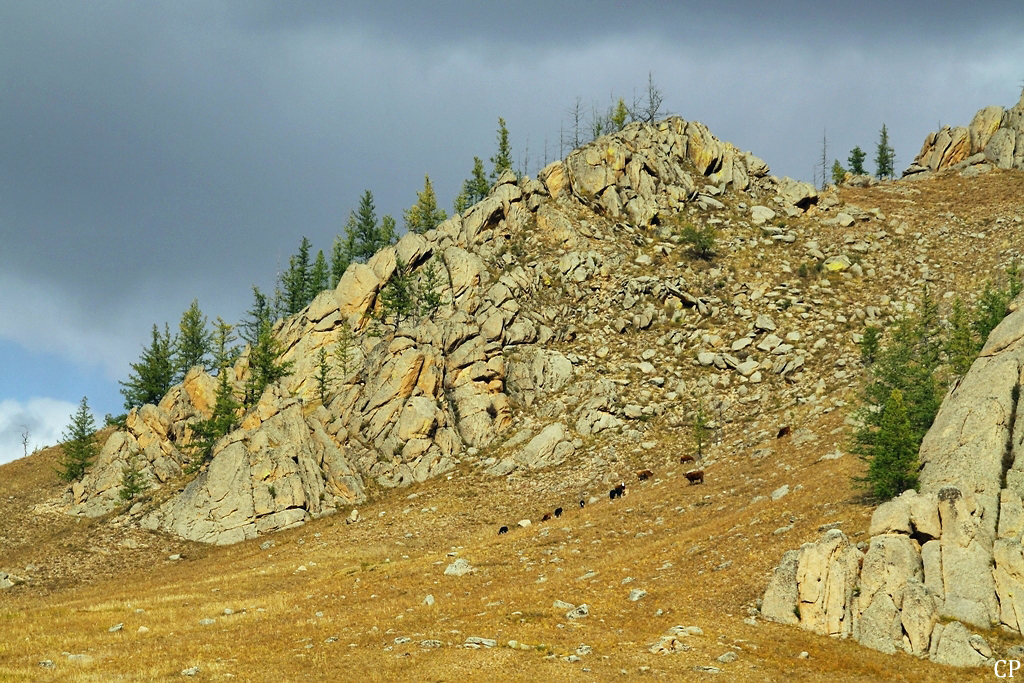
(692, 476)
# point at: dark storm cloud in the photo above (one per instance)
(152, 153)
(532, 23)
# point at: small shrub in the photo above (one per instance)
(272, 491)
(133, 481)
(802, 271)
(701, 241)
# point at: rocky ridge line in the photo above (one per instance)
(994, 139)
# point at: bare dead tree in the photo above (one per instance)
(24, 439)
(824, 158)
(576, 114)
(647, 109)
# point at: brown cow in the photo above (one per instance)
(685, 459)
(644, 475)
(784, 431)
(695, 476)
(546, 517)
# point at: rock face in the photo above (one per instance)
(417, 398)
(942, 559)
(994, 138)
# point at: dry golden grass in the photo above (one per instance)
(368, 582)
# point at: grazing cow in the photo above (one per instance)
(783, 432)
(695, 476)
(546, 517)
(644, 475)
(583, 503)
(617, 492)
(503, 530)
(558, 512)
(685, 459)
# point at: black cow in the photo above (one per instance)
(558, 512)
(583, 503)
(503, 530)
(617, 492)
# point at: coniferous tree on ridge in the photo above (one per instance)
(79, 445)
(856, 161)
(150, 378)
(294, 283)
(265, 365)
(474, 188)
(319, 277)
(885, 156)
(223, 350)
(223, 420)
(192, 346)
(502, 159)
(424, 214)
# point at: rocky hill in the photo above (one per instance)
(514, 370)
(577, 341)
(994, 139)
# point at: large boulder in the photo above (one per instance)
(549, 447)
(826, 577)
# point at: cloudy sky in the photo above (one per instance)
(153, 153)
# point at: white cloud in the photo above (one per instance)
(42, 419)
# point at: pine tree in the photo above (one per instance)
(869, 344)
(133, 479)
(906, 365)
(365, 232)
(387, 234)
(424, 214)
(323, 375)
(343, 351)
(223, 350)
(341, 252)
(961, 346)
(79, 445)
(885, 156)
(294, 283)
(222, 421)
(838, 173)
(990, 311)
(892, 456)
(319, 278)
(474, 188)
(265, 364)
(426, 291)
(259, 315)
(153, 375)
(193, 342)
(502, 159)
(619, 115)
(265, 351)
(856, 161)
(397, 298)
